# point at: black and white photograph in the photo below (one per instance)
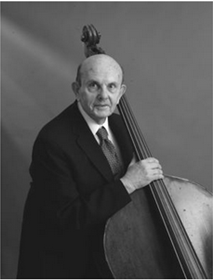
(106, 140)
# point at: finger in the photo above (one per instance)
(156, 177)
(154, 173)
(157, 166)
(151, 160)
(159, 175)
(153, 165)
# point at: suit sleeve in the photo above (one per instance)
(60, 200)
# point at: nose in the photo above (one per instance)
(103, 93)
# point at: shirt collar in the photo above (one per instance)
(93, 125)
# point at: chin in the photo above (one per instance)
(103, 113)
(100, 118)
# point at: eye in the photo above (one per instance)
(112, 87)
(93, 86)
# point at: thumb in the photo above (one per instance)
(133, 161)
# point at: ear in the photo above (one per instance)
(75, 88)
(122, 91)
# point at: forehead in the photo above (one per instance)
(102, 70)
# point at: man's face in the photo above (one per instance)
(101, 89)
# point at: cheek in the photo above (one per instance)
(87, 101)
(115, 100)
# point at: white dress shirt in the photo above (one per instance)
(94, 127)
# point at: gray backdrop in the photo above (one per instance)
(165, 49)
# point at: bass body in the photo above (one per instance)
(137, 245)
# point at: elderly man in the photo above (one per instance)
(82, 173)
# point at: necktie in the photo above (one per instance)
(109, 151)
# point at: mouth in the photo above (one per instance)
(102, 106)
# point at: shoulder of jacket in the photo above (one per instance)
(60, 125)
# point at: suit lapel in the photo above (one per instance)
(87, 142)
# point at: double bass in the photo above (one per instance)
(166, 230)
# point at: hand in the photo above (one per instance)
(141, 173)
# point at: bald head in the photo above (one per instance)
(98, 87)
(93, 63)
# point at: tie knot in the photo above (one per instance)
(102, 133)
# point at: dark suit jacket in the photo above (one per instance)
(72, 195)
